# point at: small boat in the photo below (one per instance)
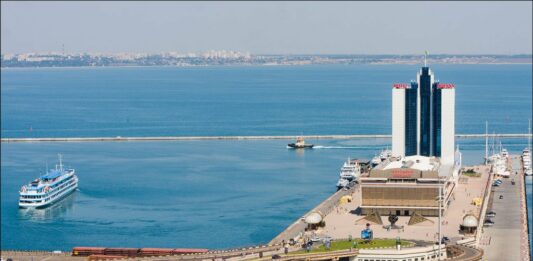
(385, 154)
(375, 161)
(526, 159)
(504, 153)
(49, 188)
(300, 144)
(526, 154)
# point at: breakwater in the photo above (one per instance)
(281, 137)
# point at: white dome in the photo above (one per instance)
(469, 221)
(313, 218)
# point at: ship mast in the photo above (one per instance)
(60, 162)
(486, 142)
(529, 139)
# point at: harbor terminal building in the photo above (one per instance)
(407, 186)
(423, 154)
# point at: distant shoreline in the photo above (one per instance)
(243, 65)
(272, 137)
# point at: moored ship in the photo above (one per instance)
(526, 154)
(49, 188)
(300, 144)
(350, 170)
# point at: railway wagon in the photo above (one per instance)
(87, 251)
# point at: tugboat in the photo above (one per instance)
(300, 144)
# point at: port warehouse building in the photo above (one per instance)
(403, 186)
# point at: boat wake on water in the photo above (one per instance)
(342, 147)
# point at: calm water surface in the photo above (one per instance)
(214, 194)
(325, 99)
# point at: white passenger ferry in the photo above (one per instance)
(351, 170)
(49, 188)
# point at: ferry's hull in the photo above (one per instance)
(62, 195)
(294, 146)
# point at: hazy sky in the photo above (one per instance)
(269, 27)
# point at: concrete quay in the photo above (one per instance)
(297, 228)
(191, 138)
(507, 238)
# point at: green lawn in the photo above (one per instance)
(341, 245)
(472, 174)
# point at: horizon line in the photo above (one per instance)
(251, 53)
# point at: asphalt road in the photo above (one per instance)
(505, 234)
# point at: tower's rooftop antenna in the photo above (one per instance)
(425, 59)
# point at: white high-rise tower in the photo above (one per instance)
(423, 118)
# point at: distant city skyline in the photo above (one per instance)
(268, 27)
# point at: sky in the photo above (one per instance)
(269, 27)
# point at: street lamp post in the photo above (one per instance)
(439, 198)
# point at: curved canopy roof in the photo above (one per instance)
(470, 221)
(313, 218)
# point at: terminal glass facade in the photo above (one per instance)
(410, 120)
(437, 122)
(425, 113)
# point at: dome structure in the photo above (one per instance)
(470, 221)
(313, 218)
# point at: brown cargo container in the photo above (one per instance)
(122, 251)
(87, 251)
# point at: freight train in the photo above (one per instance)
(134, 252)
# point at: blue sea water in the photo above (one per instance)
(321, 99)
(214, 194)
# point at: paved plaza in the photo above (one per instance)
(343, 222)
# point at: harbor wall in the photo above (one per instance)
(191, 138)
(298, 226)
(524, 233)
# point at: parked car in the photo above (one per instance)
(488, 224)
(501, 196)
(315, 239)
(489, 221)
(445, 240)
(491, 214)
